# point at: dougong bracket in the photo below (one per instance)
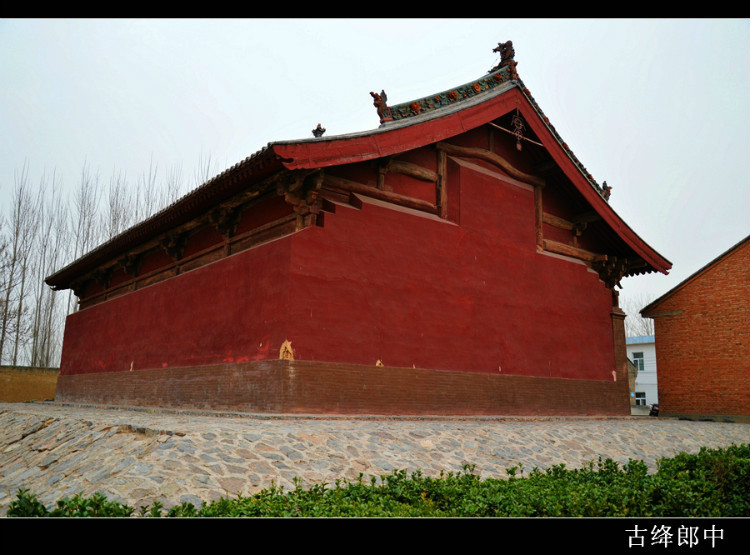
(611, 271)
(303, 194)
(174, 244)
(226, 220)
(103, 277)
(131, 263)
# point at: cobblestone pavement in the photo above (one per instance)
(141, 456)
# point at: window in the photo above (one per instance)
(638, 361)
(640, 399)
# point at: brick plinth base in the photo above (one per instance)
(301, 387)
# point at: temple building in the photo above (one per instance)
(457, 259)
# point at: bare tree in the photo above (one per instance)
(6, 281)
(119, 207)
(148, 197)
(174, 187)
(39, 234)
(22, 230)
(204, 171)
(635, 324)
(85, 219)
(48, 316)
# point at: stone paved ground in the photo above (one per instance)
(141, 456)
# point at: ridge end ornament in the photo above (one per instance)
(507, 52)
(380, 103)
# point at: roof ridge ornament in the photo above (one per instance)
(507, 52)
(500, 75)
(380, 103)
(504, 74)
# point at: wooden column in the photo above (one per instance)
(441, 191)
(538, 216)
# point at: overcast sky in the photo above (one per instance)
(660, 109)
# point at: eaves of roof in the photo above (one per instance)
(590, 189)
(438, 117)
(264, 162)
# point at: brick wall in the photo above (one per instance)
(703, 340)
(303, 387)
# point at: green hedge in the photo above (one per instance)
(711, 483)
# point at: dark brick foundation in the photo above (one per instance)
(301, 387)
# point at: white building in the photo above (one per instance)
(642, 353)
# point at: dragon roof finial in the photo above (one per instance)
(507, 52)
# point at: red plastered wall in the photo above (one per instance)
(377, 284)
(233, 310)
(384, 284)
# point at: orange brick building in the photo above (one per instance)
(703, 339)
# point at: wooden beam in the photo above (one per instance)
(577, 228)
(493, 158)
(586, 218)
(412, 170)
(574, 252)
(387, 196)
(354, 201)
(637, 263)
(556, 221)
(273, 230)
(547, 169)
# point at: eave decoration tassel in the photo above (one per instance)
(518, 127)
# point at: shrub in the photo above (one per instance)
(711, 483)
(27, 505)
